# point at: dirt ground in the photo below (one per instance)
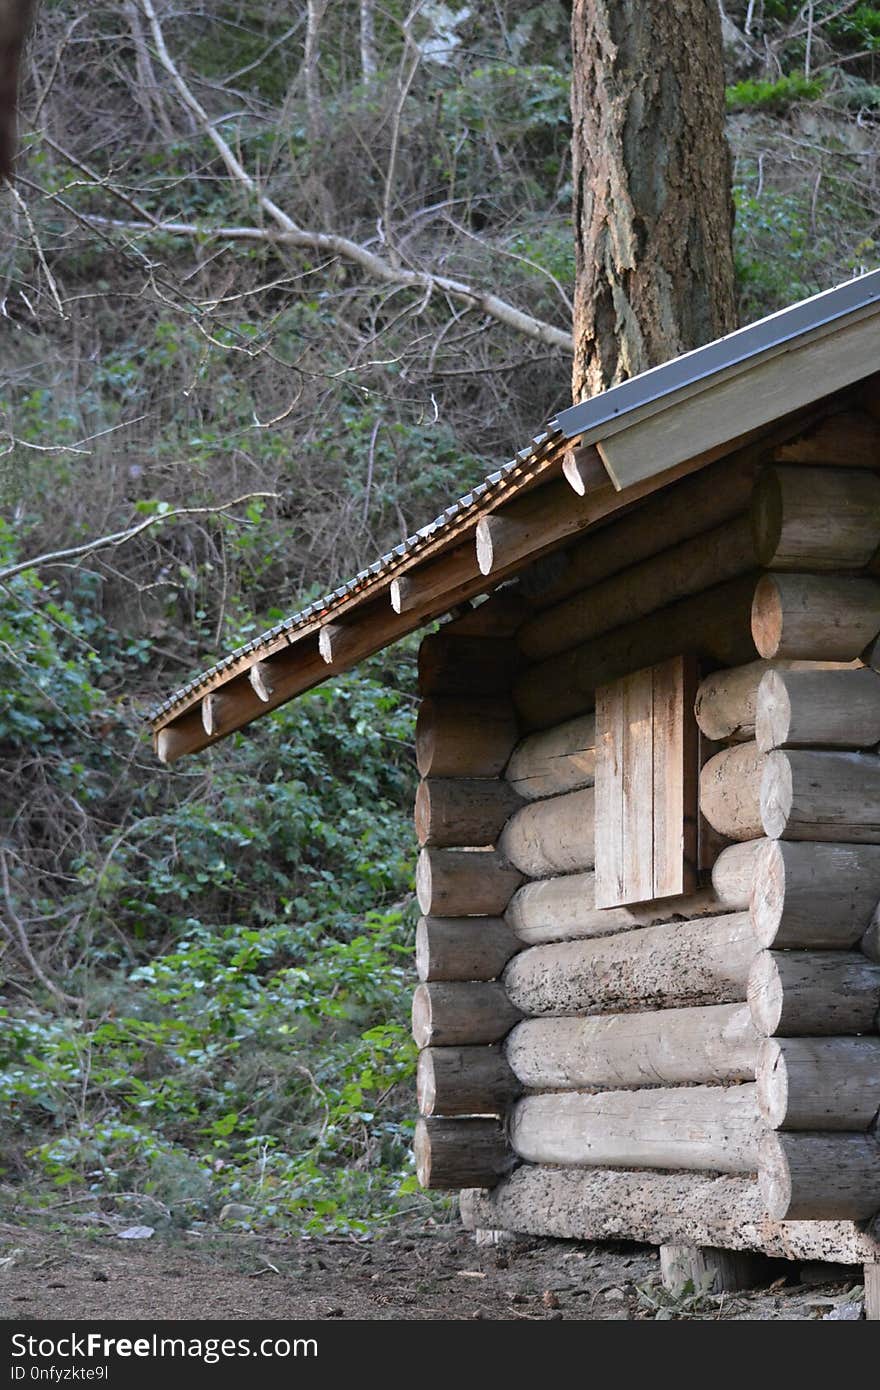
(420, 1269)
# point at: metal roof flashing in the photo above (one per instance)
(735, 349)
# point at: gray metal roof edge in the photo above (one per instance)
(773, 331)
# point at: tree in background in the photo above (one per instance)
(653, 212)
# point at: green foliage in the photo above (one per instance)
(773, 96)
(242, 951)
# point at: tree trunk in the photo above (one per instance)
(652, 203)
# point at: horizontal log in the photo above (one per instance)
(564, 909)
(813, 993)
(463, 948)
(695, 504)
(813, 896)
(555, 760)
(464, 737)
(834, 709)
(499, 615)
(819, 1083)
(462, 810)
(450, 664)
(727, 699)
(701, 962)
(688, 568)
(815, 518)
(702, 1128)
(730, 791)
(669, 1047)
(448, 1015)
(733, 874)
(554, 836)
(464, 883)
(815, 617)
(716, 624)
(464, 1081)
(451, 1154)
(819, 1177)
(605, 1204)
(850, 439)
(541, 518)
(808, 795)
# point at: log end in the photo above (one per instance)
(424, 882)
(401, 594)
(423, 963)
(422, 812)
(422, 1016)
(764, 994)
(771, 1076)
(767, 901)
(485, 547)
(776, 795)
(325, 644)
(766, 516)
(774, 1177)
(426, 1084)
(772, 712)
(767, 617)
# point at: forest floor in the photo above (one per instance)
(423, 1270)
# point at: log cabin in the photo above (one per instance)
(649, 810)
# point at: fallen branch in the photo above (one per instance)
(290, 234)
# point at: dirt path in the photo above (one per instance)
(422, 1270)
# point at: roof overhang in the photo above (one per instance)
(594, 460)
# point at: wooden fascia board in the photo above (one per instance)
(760, 390)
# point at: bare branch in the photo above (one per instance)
(289, 233)
(118, 538)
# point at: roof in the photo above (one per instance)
(632, 439)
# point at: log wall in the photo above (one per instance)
(735, 1030)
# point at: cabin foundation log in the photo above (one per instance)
(813, 993)
(464, 1081)
(717, 1043)
(819, 1083)
(813, 895)
(660, 1208)
(683, 963)
(819, 1177)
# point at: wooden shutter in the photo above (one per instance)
(647, 745)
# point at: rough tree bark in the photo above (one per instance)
(15, 21)
(652, 202)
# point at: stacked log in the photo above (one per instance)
(465, 733)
